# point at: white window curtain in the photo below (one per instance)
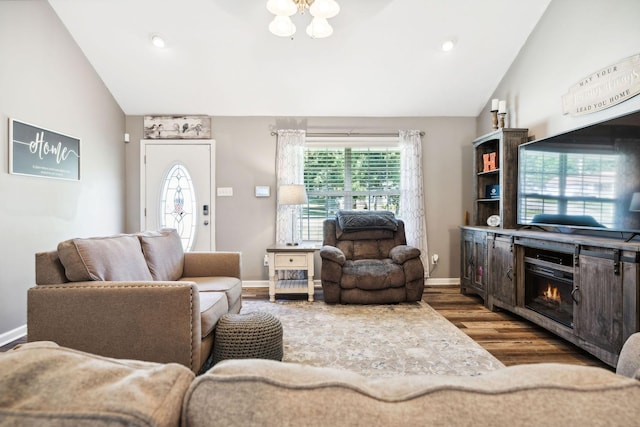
(289, 170)
(412, 192)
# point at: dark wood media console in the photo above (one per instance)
(584, 289)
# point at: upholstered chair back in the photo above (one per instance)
(365, 244)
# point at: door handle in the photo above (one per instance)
(575, 293)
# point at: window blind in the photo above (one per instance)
(355, 177)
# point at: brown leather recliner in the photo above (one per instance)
(366, 260)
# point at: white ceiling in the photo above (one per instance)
(383, 58)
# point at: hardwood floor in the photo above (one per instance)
(511, 339)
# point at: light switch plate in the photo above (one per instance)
(225, 191)
(263, 191)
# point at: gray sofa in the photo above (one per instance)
(46, 385)
(133, 296)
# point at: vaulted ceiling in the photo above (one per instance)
(383, 59)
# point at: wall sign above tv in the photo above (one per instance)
(604, 88)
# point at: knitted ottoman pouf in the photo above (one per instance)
(248, 336)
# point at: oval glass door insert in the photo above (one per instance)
(178, 204)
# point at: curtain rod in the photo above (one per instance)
(273, 133)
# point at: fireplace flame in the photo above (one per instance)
(552, 294)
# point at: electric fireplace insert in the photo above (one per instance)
(549, 287)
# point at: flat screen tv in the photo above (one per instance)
(585, 179)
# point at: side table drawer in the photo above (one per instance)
(291, 260)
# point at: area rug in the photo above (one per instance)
(375, 340)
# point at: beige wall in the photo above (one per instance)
(573, 39)
(245, 157)
(46, 80)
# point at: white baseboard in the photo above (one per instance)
(13, 335)
(443, 281)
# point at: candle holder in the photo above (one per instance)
(501, 120)
(494, 118)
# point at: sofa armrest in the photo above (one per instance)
(211, 264)
(403, 253)
(45, 385)
(331, 272)
(151, 321)
(331, 253)
(629, 359)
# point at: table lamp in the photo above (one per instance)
(292, 196)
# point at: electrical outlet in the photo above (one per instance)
(434, 259)
(266, 260)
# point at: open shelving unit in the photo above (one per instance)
(504, 143)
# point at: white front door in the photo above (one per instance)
(177, 180)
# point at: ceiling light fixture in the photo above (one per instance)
(158, 41)
(448, 45)
(321, 10)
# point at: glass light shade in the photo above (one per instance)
(634, 206)
(158, 41)
(448, 45)
(282, 26)
(282, 7)
(319, 28)
(324, 8)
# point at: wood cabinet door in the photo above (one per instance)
(598, 302)
(501, 270)
(466, 259)
(480, 261)
(473, 262)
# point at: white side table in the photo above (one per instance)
(283, 257)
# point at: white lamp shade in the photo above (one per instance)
(324, 9)
(319, 28)
(282, 26)
(282, 7)
(292, 195)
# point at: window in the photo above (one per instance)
(178, 204)
(570, 184)
(362, 175)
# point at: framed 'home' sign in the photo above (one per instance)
(42, 152)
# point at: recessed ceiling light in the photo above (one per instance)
(448, 45)
(158, 41)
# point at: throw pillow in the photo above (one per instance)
(113, 258)
(163, 253)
